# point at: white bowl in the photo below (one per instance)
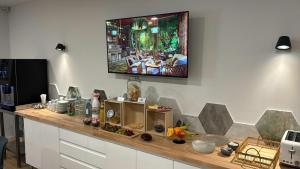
(203, 146)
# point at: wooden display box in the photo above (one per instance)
(154, 117)
(117, 107)
(133, 116)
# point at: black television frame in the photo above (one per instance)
(136, 74)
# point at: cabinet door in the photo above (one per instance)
(120, 157)
(32, 143)
(149, 161)
(41, 145)
(178, 165)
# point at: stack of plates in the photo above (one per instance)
(62, 106)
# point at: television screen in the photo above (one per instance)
(149, 45)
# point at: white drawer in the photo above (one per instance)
(83, 140)
(149, 161)
(179, 165)
(82, 154)
(70, 163)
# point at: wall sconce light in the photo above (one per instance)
(60, 47)
(284, 43)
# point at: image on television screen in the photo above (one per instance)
(149, 45)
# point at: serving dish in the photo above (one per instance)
(203, 146)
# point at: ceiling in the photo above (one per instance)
(11, 2)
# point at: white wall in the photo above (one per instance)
(4, 34)
(232, 55)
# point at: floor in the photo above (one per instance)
(11, 163)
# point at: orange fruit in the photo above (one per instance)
(177, 130)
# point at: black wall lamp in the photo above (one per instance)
(283, 43)
(60, 47)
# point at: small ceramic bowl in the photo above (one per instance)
(233, 145)
(146, 137)
(226, 151)
(203, 146)
(159, 128)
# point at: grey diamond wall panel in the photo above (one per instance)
(273, 124)
(215, 119)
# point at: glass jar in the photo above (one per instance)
(133, 88)
(88, 108)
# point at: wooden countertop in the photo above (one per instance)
(159, 145)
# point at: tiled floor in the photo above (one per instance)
(11, 163)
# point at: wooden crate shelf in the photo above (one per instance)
(117, 108)
(133, 116)
(153, 118)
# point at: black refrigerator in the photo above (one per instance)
(22, 81)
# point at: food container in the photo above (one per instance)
(203, 146)
(133, 88)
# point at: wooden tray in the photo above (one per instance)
(133, 136)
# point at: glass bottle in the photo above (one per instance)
(95, 107)
(101, 113)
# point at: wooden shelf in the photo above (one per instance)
(114, 101)
(114, 124)
(134, 102)
(116, 106)
(135, 129)
(133, 114)
(153, 118)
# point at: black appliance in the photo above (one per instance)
(22, 81)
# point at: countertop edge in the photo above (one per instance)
(203, 160)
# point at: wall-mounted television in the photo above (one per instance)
(155, 45)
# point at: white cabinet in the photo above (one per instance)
(178, 165)
(149, 161)
(90, 143)
(78, 151)
(67, 162)
(41, 145)
(85, 155)
(49, 147)
(120, 157)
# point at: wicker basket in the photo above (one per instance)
(257, 153)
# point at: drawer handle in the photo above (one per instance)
(82, 148)
(79, 162)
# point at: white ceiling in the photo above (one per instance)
(11, 2)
